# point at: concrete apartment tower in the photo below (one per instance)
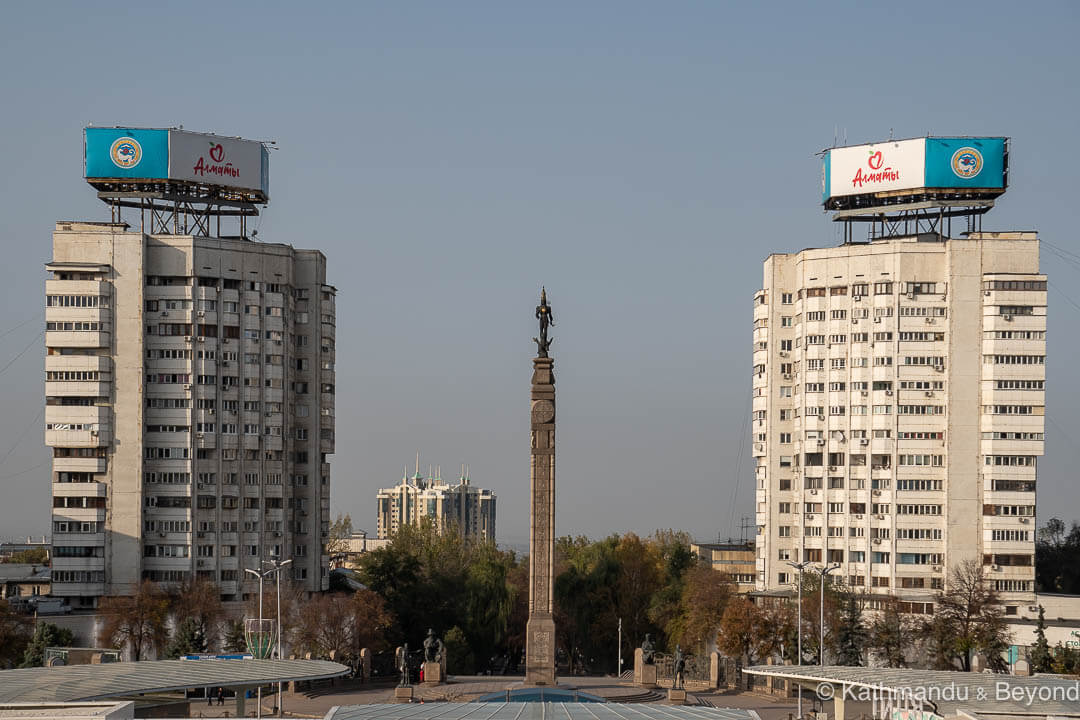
(898, 397)
(899, 383)
(189, 379)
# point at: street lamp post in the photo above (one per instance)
(800, 566)
(259, 575)
(276, 567)
(824, 570)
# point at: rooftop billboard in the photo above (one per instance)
(160, 154)
(921, 163)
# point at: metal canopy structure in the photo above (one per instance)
(172, 207)
(940, 691)
(74, 683)
(535, 711)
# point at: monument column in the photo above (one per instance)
(540, 631)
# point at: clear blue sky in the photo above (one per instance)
(638, 158)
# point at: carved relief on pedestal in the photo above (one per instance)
(543, 411)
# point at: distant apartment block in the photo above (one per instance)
(461, 507)
(898, 408)
(734, 559)
(189, 389)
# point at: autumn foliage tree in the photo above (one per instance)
(138, 621)
(344, 624)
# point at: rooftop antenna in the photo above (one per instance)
(835, 133)
(417, 471)
(890, 134)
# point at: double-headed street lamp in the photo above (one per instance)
(824, 570)
(260, 575)
(800, 566)
(276, 567)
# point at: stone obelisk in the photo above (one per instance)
(540, 631)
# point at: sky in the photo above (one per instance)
(640, 159)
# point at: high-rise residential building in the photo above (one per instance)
(462, 507)
(898, 398)
(189, 387)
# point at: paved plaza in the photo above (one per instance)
(317, 702)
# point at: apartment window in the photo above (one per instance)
(838, 363)
(785, 298)
(784, 437)
(883, 288)
(786, 321)
(838, 315)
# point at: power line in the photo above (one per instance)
(35, 421)
(738, 461)
(22, 352)
(24, 322)
(23, 472)
(1062, 292)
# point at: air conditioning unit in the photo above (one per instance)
(202, 313)
(877, 319)
(809, 516)
(202, 338)
(187, 387)
(994, 567)
(832, 468)
(876, 492)
(864, 393)
(1024, 520)
(760, 447)
(888, 392)
(813, 492)
(911, 296)
(224, 363)
(929, 393)
(880, 517)
(821, 442)
(937, 568)
(277, 533)
(200, 534)
(783, 354)
(210, 411)
(987, 293)
(929, 321)
(1007, 318)
(1033, 608)
(858, 298)
(877, 541)
(187, 338)
(787, 376)
(93, 433)
(225, 341)
(854, 321)
(161, 534)
(939, 368)
(858, 516)
(864, 441)
(199, 436)
(268, 414)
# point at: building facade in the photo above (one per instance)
(189, 392)
(734, 559)
(898, 400)
(463, 507)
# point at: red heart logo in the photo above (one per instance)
(875, 160)
(217, 152)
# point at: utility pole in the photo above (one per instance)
(800, 566)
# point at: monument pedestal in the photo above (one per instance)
(433, 673)
(676, 697)
(403, 694)
(647, 677)
(540, 652)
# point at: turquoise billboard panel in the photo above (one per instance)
(126, 153)
(965, 162)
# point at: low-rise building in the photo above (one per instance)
(734, 558)
(23, 580)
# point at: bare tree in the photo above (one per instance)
(343, 625)
(968, 619)
(199, 600)
(137, 621)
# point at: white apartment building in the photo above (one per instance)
(464, 507)
(189, 388)
(898, 400)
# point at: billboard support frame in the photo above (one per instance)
(175, 208)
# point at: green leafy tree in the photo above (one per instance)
(851, 633)
(33, 556)
(459, 655)
(15, 633)
(1041, 660)
(45, 635)
(187, 639)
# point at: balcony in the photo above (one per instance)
(80, 464)
(79, 489)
